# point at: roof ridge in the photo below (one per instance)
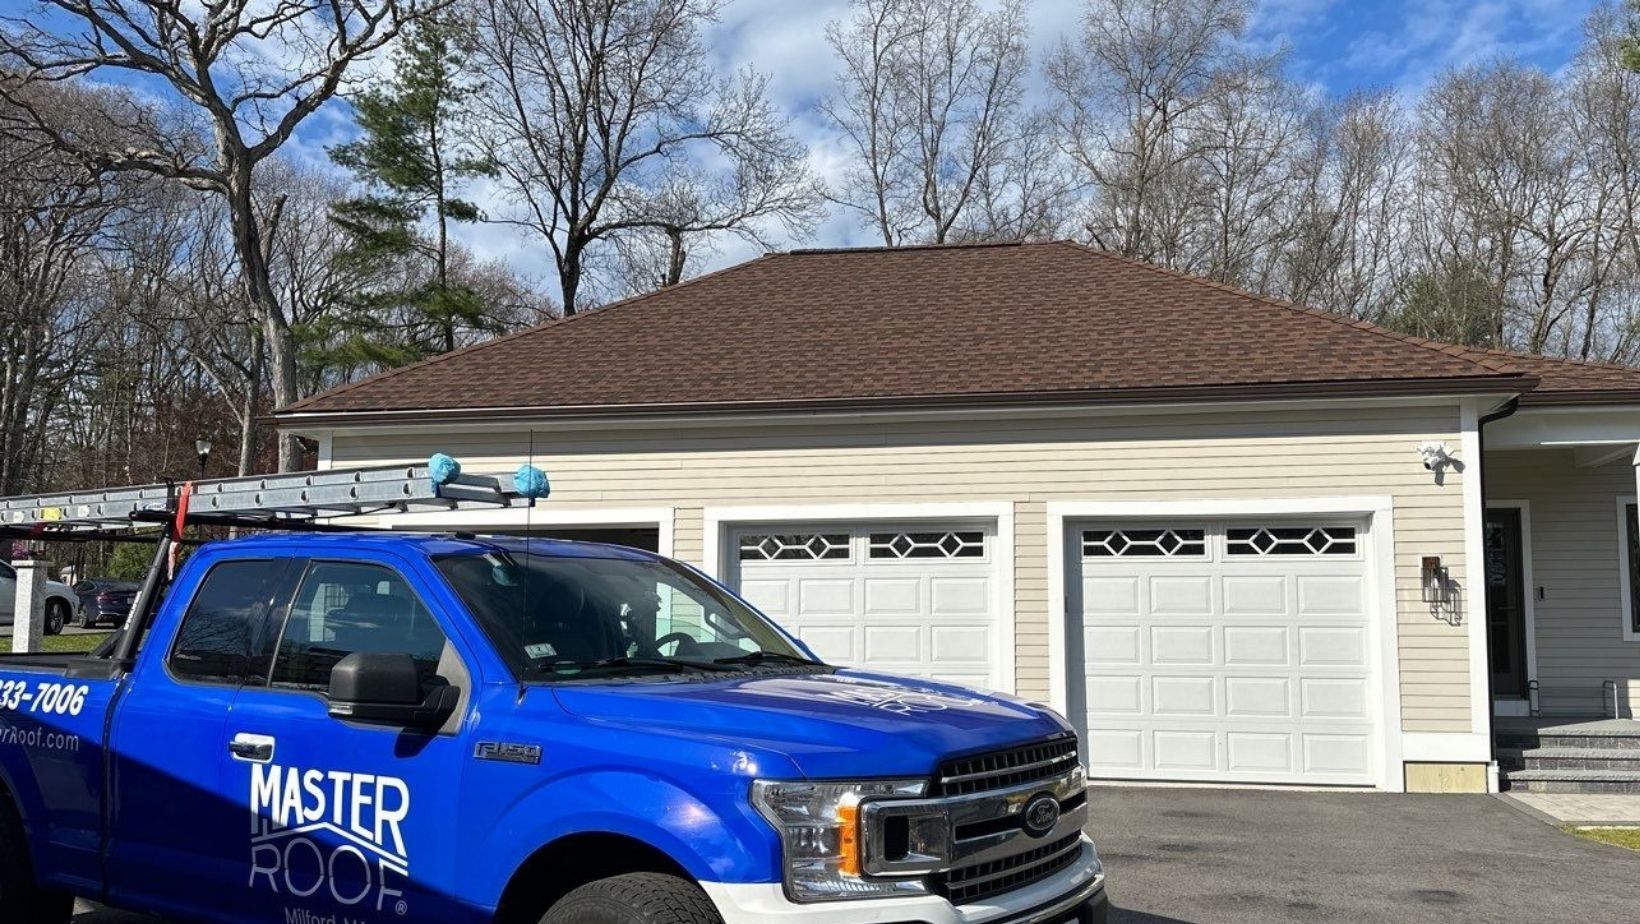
(1523, 354)
(1439, 346)
(904, 248)
(517, 334)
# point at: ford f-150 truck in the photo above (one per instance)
(370, 727)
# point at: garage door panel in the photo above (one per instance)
(1253, 595)
(1257, 646)
(1259, 752)
(1189, 751)
(1182, 696)
(893, 596)
(894, 643)
(1258, 697)
(1217, 665)
(1332, 647)
(1345, 755)
(772, 597)
(960, 644)
(1189, 595)
(825, 597)
(1112, 644)
(1181, 645)
(831, 643)
(1117, 596)
(953, 596)
(1116, 695)
(1327, 595)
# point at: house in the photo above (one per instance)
(1235, 540)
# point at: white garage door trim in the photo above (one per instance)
(1378, 533)
(720, 523)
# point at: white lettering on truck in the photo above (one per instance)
(333, 830)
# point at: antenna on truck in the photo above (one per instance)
(299, 501)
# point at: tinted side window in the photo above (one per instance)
(346, 607)
(224, 624)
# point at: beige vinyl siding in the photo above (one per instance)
(1027, 461)
(1575, 560)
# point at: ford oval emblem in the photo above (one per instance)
(1041, 815)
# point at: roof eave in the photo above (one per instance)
(1504, 384)
(1582, 397)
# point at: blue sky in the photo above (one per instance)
(1335, 46)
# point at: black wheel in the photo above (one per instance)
(24, 901)
(635, 898)
(56, 617)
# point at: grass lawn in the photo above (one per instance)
(73, 644)
(1617, 837)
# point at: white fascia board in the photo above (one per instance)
(534, 419)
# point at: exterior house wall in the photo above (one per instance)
(1028, 461)
(1578, 638)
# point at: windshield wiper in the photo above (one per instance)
(663, 664)
(764, 657)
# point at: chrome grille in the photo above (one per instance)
(980, 881)
(1004, 769)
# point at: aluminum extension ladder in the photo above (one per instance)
(291, 498)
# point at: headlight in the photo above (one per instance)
(819, 826)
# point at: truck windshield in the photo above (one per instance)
(560, 618)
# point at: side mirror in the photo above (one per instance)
(385, 689)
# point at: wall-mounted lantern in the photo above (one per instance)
(1440, 591)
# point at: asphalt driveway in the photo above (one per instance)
(1203, 856)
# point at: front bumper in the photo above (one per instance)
(1073, 896)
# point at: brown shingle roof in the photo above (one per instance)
(1013, 322)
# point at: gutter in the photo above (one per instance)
(1508, 409)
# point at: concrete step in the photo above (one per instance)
(1605, 742)
(1590, 781)
(1569, 759)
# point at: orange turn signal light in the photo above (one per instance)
(848, 839)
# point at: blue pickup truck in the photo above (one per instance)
(362, 727)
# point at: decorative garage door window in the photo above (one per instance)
(1144, 543)
(795, 547)
(1290, 540)
(954, 544)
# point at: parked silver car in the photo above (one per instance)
(60, 601)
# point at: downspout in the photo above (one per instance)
(1507, 410)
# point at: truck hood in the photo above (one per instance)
(836, 725)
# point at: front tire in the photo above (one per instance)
(56, 617)
(21, 897)
(635, 898)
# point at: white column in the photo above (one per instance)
(30, 618)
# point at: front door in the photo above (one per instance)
(346, 821)
(1505, 602)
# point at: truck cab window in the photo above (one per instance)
(347, 607)
(224, 623)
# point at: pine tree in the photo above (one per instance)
(411, 156)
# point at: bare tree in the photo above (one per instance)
(1126, 92)
(932, 111)
(590, 112)
(250, 72)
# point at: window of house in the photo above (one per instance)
(347, 607)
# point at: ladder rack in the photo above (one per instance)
(295, 499)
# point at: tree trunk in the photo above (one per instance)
(247, 417)
(281, 341)
(676, 256)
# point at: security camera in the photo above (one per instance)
(1436, 456)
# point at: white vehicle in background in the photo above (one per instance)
(60, 601)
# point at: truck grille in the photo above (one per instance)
(1004, 769)
(968, 884)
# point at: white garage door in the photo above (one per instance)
(1226, 651)
(905, 599)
